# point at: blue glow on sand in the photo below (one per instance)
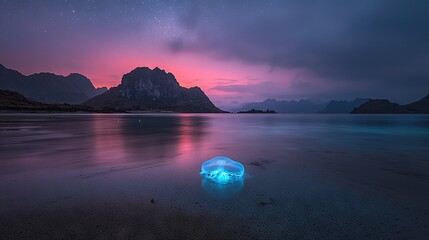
(222, 170)
(222, 191)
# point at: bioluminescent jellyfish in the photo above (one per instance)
(222, 170)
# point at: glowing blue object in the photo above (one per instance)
(222, 191)
(222, 170)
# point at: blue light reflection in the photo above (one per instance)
(222, 191)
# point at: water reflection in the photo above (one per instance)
(97, 140)
(222, 190)
(332, 164)
(136, 138)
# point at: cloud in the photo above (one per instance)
(236, 88)
(259, 90)
(375, 43)
(339, 48)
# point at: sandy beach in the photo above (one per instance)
(119, 177)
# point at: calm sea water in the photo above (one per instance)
(345, 176)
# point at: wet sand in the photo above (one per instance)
(137, 177)
(120, 221)
(144, 220)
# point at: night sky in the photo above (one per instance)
(236, 51)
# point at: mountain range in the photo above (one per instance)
(358, 105)
(142, 89)
(145, 89)
(48, 87)
(343, 106)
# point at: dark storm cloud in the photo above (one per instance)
(382, 44)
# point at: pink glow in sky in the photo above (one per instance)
(105, 62)
(236, 51)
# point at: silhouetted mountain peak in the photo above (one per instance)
(195, 88)
(144, 82)
(147, 72)
(77, 76)
(102, 89)
(425, 98)
(385, 106)
(421, 106)
(154, 89)
(140, 70)
(381, 106)
(158, 69)
(45, 75)
(7, 71)
(49, 87)
(270, 100)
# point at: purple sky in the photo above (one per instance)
(236, 51)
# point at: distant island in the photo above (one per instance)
(258, 111)
(384, 106)
(282, 106)
(304, 106)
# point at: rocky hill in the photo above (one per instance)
(421, 105)
(145, 89)
(385, 106)
(48, 87)
(14, 102)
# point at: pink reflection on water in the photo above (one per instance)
(108, 141)
(193, 132)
